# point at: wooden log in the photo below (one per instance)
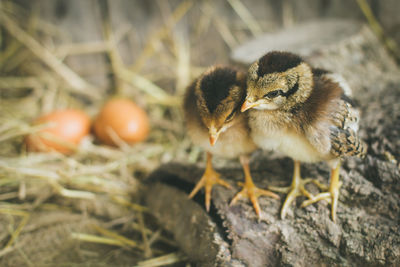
(367, 229)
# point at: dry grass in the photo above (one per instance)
(85, 208)
(54, 207)
(99, 183)
(389, 43)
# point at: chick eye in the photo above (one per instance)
(230, 116)
(273, 94)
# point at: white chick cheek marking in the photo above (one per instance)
(224, 128)
(269, 106)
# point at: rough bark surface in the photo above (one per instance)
(367, 229)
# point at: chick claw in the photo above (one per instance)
(332, 194)
(249, 190)
(296, 189)
(209, 179)
(252, 192)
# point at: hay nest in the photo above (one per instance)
(85, 208)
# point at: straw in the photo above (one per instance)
(97, 239)
(123, 240)
(225, 33)
(97, 182)
(377, 28)
(162, 260)
(18, 230)
(246, 16)
(148, 50)
(75, 81)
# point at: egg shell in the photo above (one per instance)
(125, 118)
(66, 128)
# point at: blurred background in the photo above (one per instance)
(84, 209)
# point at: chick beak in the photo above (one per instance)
(247, 105)
(213, 135)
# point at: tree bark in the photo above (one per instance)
(367, 229)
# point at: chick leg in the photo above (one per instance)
(208, 180)
(332, 195)
(295, 189)
(249, 189)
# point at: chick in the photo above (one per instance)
(212, 112)
(305, 113)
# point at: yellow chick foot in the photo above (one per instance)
(208, 180)
(296, 189)
(249, 190)
(332, 194)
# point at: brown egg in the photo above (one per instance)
(66, 128)
(124, 118)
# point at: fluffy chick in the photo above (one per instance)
(212, 112)
(305, 113)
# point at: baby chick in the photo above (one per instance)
(212, 112)
(305, 113)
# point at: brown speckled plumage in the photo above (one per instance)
(344, 139)
(224, 115)
(318, 110)
(304, 112)
(212, 111)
